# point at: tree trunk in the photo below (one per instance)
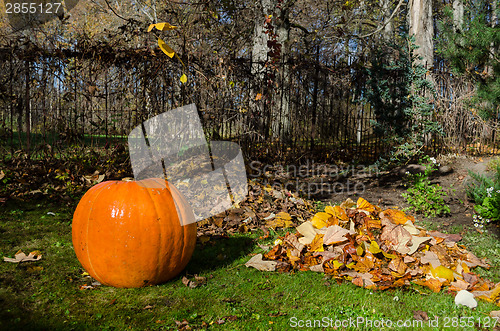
(279, 116)
(27, 109)
(422, 28)
(458, 15)
(281, 110)
(493, 49)
(259, 59)
(388, 32)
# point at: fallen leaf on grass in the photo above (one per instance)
(193, 283)
(21, 257)
(184, 325)
(432, 283)
(420, 315)
(495, 314)
(257, 263)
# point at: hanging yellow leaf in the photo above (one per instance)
(183, 79)
(258, 96)
(161, 26)
(165, 48)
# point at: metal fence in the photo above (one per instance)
(49, 101)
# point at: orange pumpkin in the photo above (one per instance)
(129, 234)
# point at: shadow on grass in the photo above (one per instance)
(17, 313)
(219, 252)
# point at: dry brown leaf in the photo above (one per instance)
(398, 266)
(415, 243)
(317, 268)
(420, 315)
(317, 243)
(396, 235)
(473, 261)
(259, 264)
(20, 256)
(335, 234)
(432, 258)
(293, 242)
(394, 216)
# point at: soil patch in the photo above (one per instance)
(334, 184)
(385, 189)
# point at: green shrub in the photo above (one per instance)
(485, 192)
(423, 196)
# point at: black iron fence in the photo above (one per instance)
(299, 109)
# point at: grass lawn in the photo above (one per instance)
(233, 298)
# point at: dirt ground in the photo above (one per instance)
(334, 184)
(385, 189)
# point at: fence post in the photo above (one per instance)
(27, 108)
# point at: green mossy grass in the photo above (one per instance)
(244, 298)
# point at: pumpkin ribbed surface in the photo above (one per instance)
(128, 234)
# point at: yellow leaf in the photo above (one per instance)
(337, 264)
(443, 272)
(166, 49)
(465, 267)
(161, 26)
(374, 248)
(351, 265)
(338, 212)
(258, 96)
(284, 216)
(183, 79)
(317, 243)
(395, 216)
(365, 205)
(359, 250)
(320, 220)
(389, 256)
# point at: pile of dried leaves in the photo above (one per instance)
(64, 177)
(377, 249)
(265, 207)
